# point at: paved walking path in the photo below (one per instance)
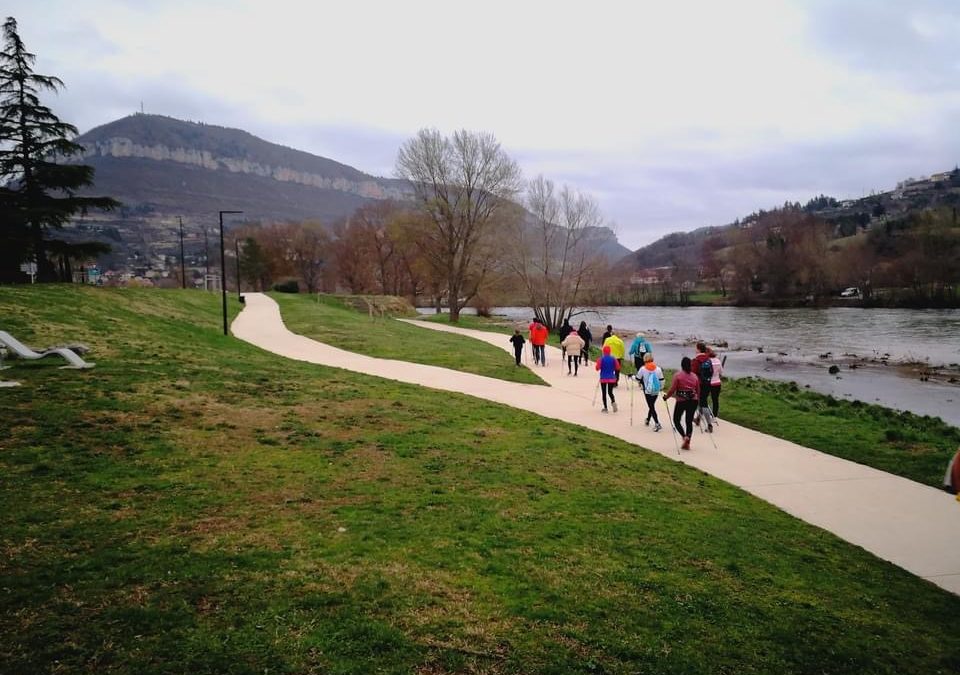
(912, 525)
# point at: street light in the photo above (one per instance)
(223, 273)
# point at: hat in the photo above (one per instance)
(639, 334)
(606, 349)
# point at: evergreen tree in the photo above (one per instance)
(38, 192)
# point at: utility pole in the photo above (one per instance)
(206, 256)
(183, 273)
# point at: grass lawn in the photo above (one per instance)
(333, 323)
(195, 504)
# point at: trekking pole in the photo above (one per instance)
(630, 385)
(673, 426)
(595, 391)
(563, 357)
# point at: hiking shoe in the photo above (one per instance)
(709, 428)
(647, 422)
(604, 410)
(614, 404)
(657, 427)
(696, 418)
(686, 443)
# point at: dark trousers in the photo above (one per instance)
(575, 362)
(715, 398)
(538, 354)
(652, 408)
(605, 389)
(517, 353)
(684, 409)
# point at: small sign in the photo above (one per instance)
(31, 269)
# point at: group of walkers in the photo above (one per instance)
(695, 388)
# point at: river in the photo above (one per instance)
(870, 346)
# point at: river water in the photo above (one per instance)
(868, 345)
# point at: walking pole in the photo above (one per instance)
(673, 426)
(630, 384)
(563, 357)
(594, 404)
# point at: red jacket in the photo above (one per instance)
(538, 333)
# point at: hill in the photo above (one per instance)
(164, 169)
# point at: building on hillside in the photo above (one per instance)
(651, 275)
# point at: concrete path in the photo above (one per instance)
(911, 525)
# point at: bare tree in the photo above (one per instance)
(309, 249)
(462, 183)
(549, 254)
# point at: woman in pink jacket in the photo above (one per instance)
(684, 389)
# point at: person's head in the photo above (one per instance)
(606, 350)
(534, 320)
(685, 364)
(516, 331)
(701, 347)
(566, 322)
(583, 325)
(711, 353)
(609, 328)
(648, 358)
(640, 335)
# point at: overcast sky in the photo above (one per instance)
(672, 115)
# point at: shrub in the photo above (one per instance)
(288, 286)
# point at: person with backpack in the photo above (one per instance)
(715, 382)
(573, 348)
(518, 343)
(587, 338)
(609, 368)
(684, 389)
(638, 349)
(702, 367)
(651, 380)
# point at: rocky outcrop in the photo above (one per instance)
(120, 147)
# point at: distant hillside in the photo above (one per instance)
(848, 217)
(154, 163)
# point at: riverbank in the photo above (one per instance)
(902, 359)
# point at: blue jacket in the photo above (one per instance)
(640, 346)
(608, 367)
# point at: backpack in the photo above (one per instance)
(651, 385)
(706, 371)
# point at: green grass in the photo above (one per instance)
(333, 323)
(913, 446)
(195, 504)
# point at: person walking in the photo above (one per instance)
(584, 332)
(703, 368)
(607, 333)
(609, 368)
(538, 338)
(518, 343)
(565, 329)
(715, 383)
(651, 380)
(684, 389)
(638, 349)
(573, 348)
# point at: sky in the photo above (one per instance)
(673, 116)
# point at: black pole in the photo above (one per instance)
(206, 258)
(183, 274)
(223, 273)
(236, 248)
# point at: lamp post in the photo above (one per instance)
(223, 273)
